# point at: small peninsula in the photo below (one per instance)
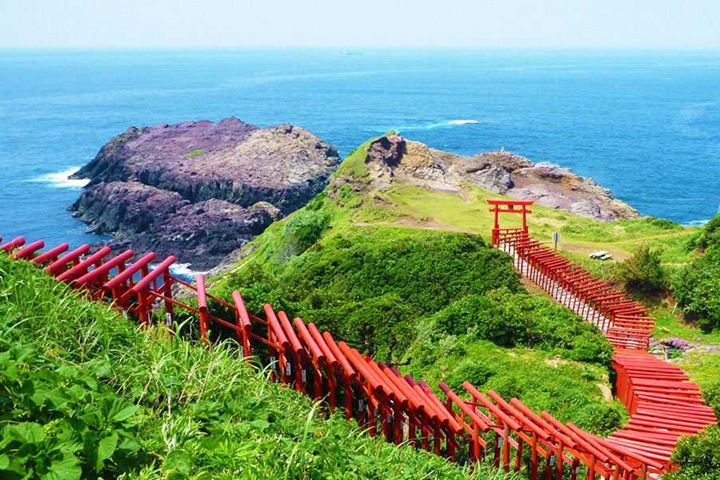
(392, 159)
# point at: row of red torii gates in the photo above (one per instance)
(469, 425)
(662, 402)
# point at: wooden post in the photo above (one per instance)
(506, 448)
(518, 455)
(202, 306)
(167, 293)
(534, 457)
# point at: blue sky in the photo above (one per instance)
(634, 24)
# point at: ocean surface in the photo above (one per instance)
(644, 124)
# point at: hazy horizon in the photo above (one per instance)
(360, 49)
(376, 24)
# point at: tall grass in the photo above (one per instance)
(85, 394)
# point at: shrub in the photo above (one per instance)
(711, 233)
(485, 318)
(698, 456)
(697, 285)
(567, 389)
(380, 326)
(697, 291)
(371, 285)
(304, 229)
(509, 319)
(472, 370)
(643, 273)
(711, 393)
(664, 224)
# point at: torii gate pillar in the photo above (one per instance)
(508, 206)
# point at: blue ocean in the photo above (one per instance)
(644, 124)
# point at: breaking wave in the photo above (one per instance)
(696, 223)
(62, 179)
(463, 122)
(435, 125)
(183, 271)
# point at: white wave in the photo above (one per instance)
(696, 223)
(464, 122)
(62, 179)
(431, 126)
(183, 270)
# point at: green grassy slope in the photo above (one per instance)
(366, 266)
(351, 207)
(85, 394)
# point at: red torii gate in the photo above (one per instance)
(508, 206)
(663, 403)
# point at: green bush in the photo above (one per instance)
(643, 272)
(698, 456)
(304, 229)
(473, 370)
(486, 318)
(565, 388)
(383, 326)
(371, 285)
(697, 291)
(664, 224)
(711, 394)
(711, 233)
(697, 285)
(512, 319)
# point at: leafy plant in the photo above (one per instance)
(643, 272)
(512, 319)
(61, 422)
(371, 285)
(698, 456)
(697, 291)
(304, 229)
(711, 233)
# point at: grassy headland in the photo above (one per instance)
(428, 294)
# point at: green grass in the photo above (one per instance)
(469, 212)
(195, 153)
(569, 390)
(703, 367)
(374, 277)
(669, 324)
(86, 394)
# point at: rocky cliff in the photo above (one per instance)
(393, 159)
(202, 189)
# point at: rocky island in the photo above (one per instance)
(200, 190)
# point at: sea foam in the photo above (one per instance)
(696, 223)
(183, 271)
(464, 122)
(435, 125)
(61, 179)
